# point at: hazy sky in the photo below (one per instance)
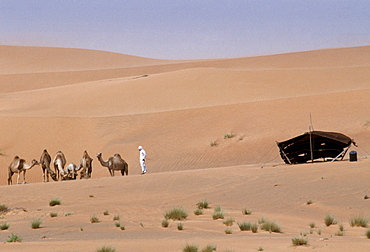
(186, 29)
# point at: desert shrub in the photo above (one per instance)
(68, 213)
(271, 226)
(203, 204)
(229, 222)
(260, 249)
(94, 219)
(299, 241)
(341, 228)
(339, 233)
(123, 227)
(106, 212)
(36, 223)
(209, 248)
(53, 214)
(245, 226)
(116, 218)
(165, 223)
(54, 202)
(3, 208)
(117, 224)
(319, 232)
(367, 234)
(198, 211)
(228, 231)
(218, 213)
(4, 226)
(213, 143)
(254, 227)
(176, 214)
(180, 226)
(106, 249)
(261, 220)
(190, 248)
(14, 238)
(229, 135)
(329, 220)
(309, 202)
(312, 224)
(358, 221)
(246, 211)
(91, 196)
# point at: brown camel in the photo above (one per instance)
(71, 171)
(86, 166)
(19, 165)
(59, 163)
(45, 161)
(115, 163)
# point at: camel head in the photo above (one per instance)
(98, 155)
(35, 162)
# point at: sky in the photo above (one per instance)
(187, 29)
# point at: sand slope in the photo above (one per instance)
(75, 100)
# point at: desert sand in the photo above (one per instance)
(180, 111)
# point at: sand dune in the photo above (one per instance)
(75, 100)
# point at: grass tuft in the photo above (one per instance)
(209, 248)
(180, 226)
(229, 222)
(228, 231)
(312, 224)
(14, 238)
(299, 241)
(330, 220)
(106, 212)
(246, 211)
(229, 135)
(254, 227)
(203, 204)
(367, 234)
(165, 223)
(190, 248)
(3, 208)
(116, 218)
(176, 214)
(53, 214)
(359, 221)
(106, 249)
(55, 202)
(4, 226)
(36, 223)
(218, 213)
(94, 219)
(198, 211)
(245, 226)
(271, 226)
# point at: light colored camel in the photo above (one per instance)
(86, 166)
(19, 165)
(71, 171)
(59, 163)
(115, 163)
(45, 161)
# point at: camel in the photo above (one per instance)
(45, 161)
(86, 165)
(59, 163)
(71, 171)
(19, 165)
(115, 163)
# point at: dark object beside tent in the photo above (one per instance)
(314, 145)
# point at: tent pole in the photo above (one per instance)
(284, 153)
(311, 146)
(344, 151)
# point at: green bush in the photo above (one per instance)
(180, 226)
(53, 214)
(246, 211)
(3, 208)
(94, 219)
(36, 223)
(228, 231)
(203, 204)
(4, 226)
(14, 238)
(254, 227)
(176, 214)
(54, 202)
(367, 234)
(106, 212)
(229, 222)
(198, 211)
(116, 218)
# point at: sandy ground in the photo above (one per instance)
(74, 100)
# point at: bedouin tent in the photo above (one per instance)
(314, 145)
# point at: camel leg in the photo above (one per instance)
(19, 174)
(24, 176)
(10, 178)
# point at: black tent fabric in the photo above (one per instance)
(314, 145)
